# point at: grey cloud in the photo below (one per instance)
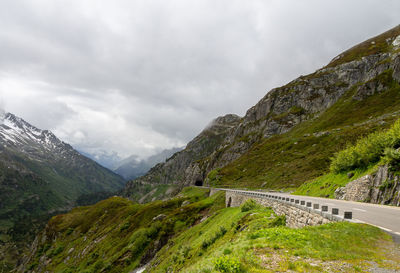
(136, 76)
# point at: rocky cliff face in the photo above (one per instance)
(182, 168)
(363, 69)
(382, 187)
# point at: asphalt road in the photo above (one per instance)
(386, 218)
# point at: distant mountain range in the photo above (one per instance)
(133, 167)
(110, 160)
(40, 175)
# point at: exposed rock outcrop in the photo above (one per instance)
(383, 187)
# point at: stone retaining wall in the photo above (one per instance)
(297, 215)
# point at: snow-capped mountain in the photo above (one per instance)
(16, 133)
(40, 174)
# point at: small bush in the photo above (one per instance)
(392, 158)
(367, 150)
(250, 204)
(227, 264)
(125, 226)
(221, 232)
(56, 251)
(69, 231)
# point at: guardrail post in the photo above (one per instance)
(335, 211)
(348, 215)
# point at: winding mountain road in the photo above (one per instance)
(384, 217)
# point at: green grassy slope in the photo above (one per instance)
(302, 154)
(364, 157)
(32, 191)
(117, 235)
(256, 240)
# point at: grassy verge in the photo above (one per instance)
(257, 241)
(325, 186)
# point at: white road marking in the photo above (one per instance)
(398, 233)
(363, 210)
(386, 229)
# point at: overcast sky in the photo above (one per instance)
(132, 77)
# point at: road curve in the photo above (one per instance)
(385, 217)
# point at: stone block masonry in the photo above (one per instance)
(297, 216)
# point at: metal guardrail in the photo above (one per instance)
(298, 203)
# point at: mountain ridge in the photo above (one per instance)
(133, 167)
(40, 175)
(362, 74)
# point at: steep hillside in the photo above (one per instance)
(368, 171)
(288, 137)
(39, 176)
(181, 169)
(116, 235)
(196, 233)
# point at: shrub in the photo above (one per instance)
(221, 232)
(56, 251)
(367, 150)
(227, 264)
(124, 226)
(392, 158)
(250, 204)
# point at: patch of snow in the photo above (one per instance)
(12, 125)
(140, 270)
(7, 137)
